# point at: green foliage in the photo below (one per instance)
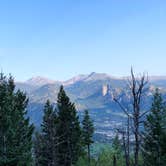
(87, 129)
(15, 130)
(105, 158)
(83, 161)
(87, 132)
(68, 130)
(46, 141)
(97, 148)
(154, 146)
(39, 150)
(116, 144)
(117, 147)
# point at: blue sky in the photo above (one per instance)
(62, 38)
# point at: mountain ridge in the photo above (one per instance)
(92, 91)
(40, 80)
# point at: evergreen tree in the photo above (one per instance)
(45, 143)
(15, 129)
(39, 150)
(116, 149)
(116, 145)
(68, 130)
(154, 147)
(87, 132)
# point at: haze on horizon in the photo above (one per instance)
(61, 39)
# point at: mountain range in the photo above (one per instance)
(93, 92)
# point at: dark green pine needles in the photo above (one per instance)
(15, 130)
(59, 142)
(87, 132)
(68, 131)
(46, 141)
(154, 146)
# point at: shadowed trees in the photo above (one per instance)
(15, 129)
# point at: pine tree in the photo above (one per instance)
(15, 129)
(87, 132)
(116, 145)
(154, 147)
(117, 149)
(39, 150)
(68, 131)
(45, 142)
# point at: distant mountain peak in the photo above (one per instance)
(99, 76)
(75, 79)
(39, 81)
(155, 78)
(93, 76)
(92, 73)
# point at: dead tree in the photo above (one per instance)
(125, 132)
(125, 145)
(137, 88)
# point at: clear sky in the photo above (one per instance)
(62, 38)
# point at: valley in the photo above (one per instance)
(93, 92)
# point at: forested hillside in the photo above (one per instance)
(64, 138)
(93, 92)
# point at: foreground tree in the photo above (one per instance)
(137, 89)
(46, 141)
(117, 149)
(68, 131)
(154, 146)
(15, 129)
(87, 132)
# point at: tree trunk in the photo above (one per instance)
(114, 160)
(136, 131)
(125, 149)
(136, 151)
(89, 155)
(137, 87)
(128, 141)
(4, 150)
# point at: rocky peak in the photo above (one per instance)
(39, 81)
(105, 90)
